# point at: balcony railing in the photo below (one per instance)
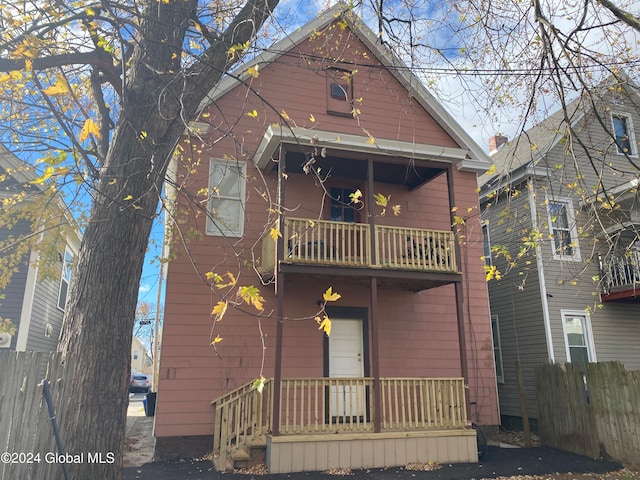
(330, 243)
(338, 405)
(620, 272)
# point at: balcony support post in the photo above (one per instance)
(373, 260)
(277, 376)
(375, 357)
(462, 340)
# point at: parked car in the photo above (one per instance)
(139, 382)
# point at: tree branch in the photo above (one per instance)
(624, 16)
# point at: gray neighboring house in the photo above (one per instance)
(574, 295)
(34, 305)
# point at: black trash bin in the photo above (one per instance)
(150, 404)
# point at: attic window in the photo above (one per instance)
(623, 134)
(339, 92)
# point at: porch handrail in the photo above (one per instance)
(242, 416)
(338, 405)
(620, 271)
(329, 242)
(415, 248)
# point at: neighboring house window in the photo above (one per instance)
(65, 279)
(577, 337)
(342, 208)
(486, 244)
(497, 348)
(135, 354)
(563, 229)
(227, 181)
(623, 134)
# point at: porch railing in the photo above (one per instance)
(620, 272)
(338, 405)
(349, 244)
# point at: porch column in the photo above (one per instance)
(373, 310)
(277, 374)
(375, 356)
(462, 341)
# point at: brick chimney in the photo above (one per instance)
(496, 142)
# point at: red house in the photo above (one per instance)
(324, 163)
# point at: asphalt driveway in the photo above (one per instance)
(501, 462)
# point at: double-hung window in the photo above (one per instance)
(65, 279)
(563, 229)
(577, 336)
(623, 133)
(227, 183)
(486, 244)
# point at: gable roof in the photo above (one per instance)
(520, 156)
(478, 160)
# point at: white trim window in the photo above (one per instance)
(486, 244)
(65, 279)
(623, 134)
(578, 339)
(227, 185)
(497, 348)
(562, 227)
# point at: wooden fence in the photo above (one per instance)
(25, 427)
(594, 412)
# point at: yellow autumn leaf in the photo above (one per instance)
(371, 140)
(219, 310)
(275, 233)
(259, 384)
(113, 181)
(232, 281)
(356, 196)
(284, 115)
(396, 210)
(253, 71)
(381, 200)
(251, 295)
(492, 170)
(127, 198)
(60, 87)
(89, 128)
(253, 114)
(324, 324)
(213, 276)
(46, 175)
(218, 339)
(311, 117)
(330, 295)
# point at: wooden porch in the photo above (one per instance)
(341, 244)
(428, 413)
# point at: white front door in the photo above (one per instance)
(346, 361)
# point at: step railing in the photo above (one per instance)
(242, 417)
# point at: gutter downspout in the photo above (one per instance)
(541, 277)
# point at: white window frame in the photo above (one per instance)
(497, 348)
(67, 261)
(633, 152)
(572, 229)
(486, 243)
(586, 330)
(214, 227)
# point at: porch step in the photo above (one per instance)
(250, 455)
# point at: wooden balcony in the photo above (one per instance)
(342, 408)
(620, 276)
(322, 243)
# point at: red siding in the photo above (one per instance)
(418, 332)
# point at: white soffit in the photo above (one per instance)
(351, 143)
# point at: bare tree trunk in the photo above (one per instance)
(100, 313)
